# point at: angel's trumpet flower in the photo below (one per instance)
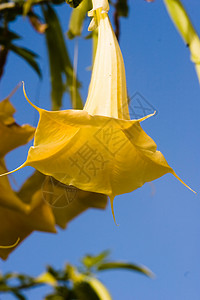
(98, 149)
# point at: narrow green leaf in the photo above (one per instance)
(99, 289)
(122, 8)
(55, 296)
(46, 278)
(91, 288)
(9, 276)
(126, 266)
(77, 18)
(90, 261)
(55, 56)
(4, 287)
(26, 7)
(7, 36)
(60, 63)
(27, 55)
(18, 295)
(183, 23)
(73, 3)
(83, 291)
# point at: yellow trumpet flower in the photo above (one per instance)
(98, 149)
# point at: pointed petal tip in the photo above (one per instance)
(10, 246)
(187, 186)
(25, 95)
(13, 91)
(148, 116)
(112, 208)
(8, 173)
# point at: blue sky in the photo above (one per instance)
(160, 231)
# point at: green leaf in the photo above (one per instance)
(77, 18)
(99, 289)
(54, 296)
(122, 8)
(73, 3)
(19, 296)
(9, 276)
(27, 55)
(60, 63)
(183, 23)
(127, 266)
(91, 289)
(90, 261)
(4, 287)
(46, 278)
(7, 36)
(26, 7)
(61, 293)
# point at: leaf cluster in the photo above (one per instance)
(71, 282)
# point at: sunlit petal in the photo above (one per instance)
(98, 149)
